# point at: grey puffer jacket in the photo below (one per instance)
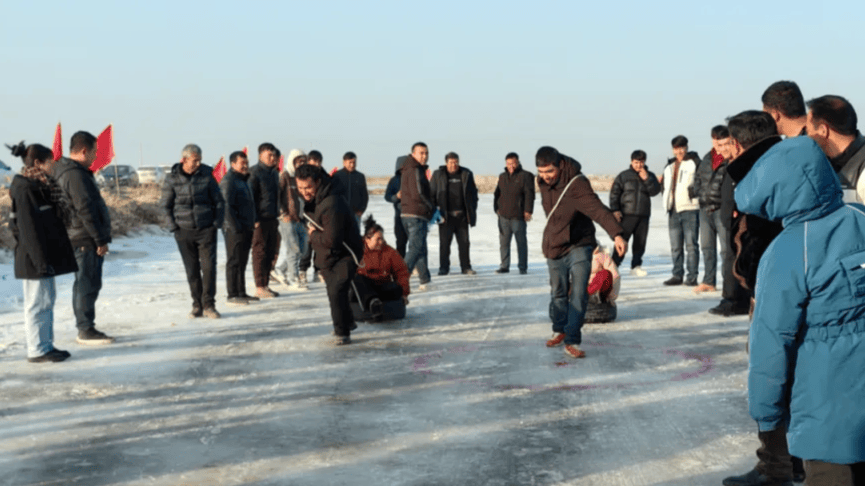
(89, 223)
(192, 201)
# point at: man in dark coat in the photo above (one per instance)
(238, 227)
(391, 195)
(335, 236)
(264, 183)
(832, 124)
(89, 229)
(194, 209)
(417, 209)
(631, 203)
(455, 195)
(514, 203)
(353, 183)
(571, 205)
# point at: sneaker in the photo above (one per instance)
(639, 272)
(574, 351)
(728, 309)
(674, 281)
(755, 478)
(691, 283)
(211, 313)
(279, 277)
(195, 312)
(523, 272)
(237, 301)
(93, 337)
(301, 277)
(704, 288)
(265, 293)
(469, 271)
(341, 341)
(53, 356)
(502, 270)
(376, 307)
(557, 339)
(297, 286)
(320, 277)
(423, 287)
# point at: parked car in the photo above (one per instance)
(151, 175)
(6, 175)
(126, 175)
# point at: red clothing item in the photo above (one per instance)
(385, 265)
(717, 160)
(602, 283)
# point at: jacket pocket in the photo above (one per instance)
(853, 267)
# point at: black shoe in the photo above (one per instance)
(755, 478)
(691, 283)
(376, 308)
(523, 272)
(92, 337)
(503, 270)
(237, 301)
(674, 281)
(211, 313)
(728, 309)
(196, 311)
(443, 272)
(341, 340)
(53, 356)
(250, 298)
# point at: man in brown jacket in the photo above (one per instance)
(417, 209)
(571, 205)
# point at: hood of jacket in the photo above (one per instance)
(289, 160)
(399, 162)
(568, 169)
(792, 182)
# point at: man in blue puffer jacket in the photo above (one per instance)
(807, 338)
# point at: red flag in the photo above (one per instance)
(246, 150)
(104, 149)
(281, 161)
(219, 170)
(58, 143)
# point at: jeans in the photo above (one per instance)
(454, 226)
(416, 256)
(638, 227)
(517, 229)
(338, 280)
(198, 251)
(237, 246)
(85, 290)
(265, 243)
(712, 229)
(569, 279)
(39, 297)
(294, 242)
(684, 228)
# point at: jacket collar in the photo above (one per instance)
(740, 167)
(841, 160)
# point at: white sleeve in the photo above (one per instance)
(860, 188)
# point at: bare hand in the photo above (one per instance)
(285, 219)
(257, 224)
(735, 214)
(310, 229)
(102, 250)
(644, 174)
(527, 216)
(399, 194)
(621, 246)
(661, 179)
(617, 215)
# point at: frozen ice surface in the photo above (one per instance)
(462, 391)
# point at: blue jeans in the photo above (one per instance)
(85, 290)
(684, 228)
(712, 228)
(416, 256)
(294, 241)
(569, 279)
(39, 297)
(517, 229)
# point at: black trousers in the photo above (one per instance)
(198, 251)
(828, 474)
(459, 226)
(338, 280)
(265, 244)
(366, 289)
(400, 234)
(638, 227)
(237, 246)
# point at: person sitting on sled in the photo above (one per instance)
(383, 276)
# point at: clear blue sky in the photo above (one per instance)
(480, 78)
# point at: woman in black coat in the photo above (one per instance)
(42, 248)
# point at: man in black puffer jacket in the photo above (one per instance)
(194, 209)
(630, 201)
(335, 237)
(714, 222)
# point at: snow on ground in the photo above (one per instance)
(462, 391)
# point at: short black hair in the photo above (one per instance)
(370, 227)
(836, 112)
(266, 147)
(512, 155)
(81, 141)
(314, 155)
(786, 97)
(547, 155)
(236, 155)
(349, 156)
(418, 144)
(679, 141)
(452, 155)
(720, 132)
(751, 126)
(638, 155)
(307, 172)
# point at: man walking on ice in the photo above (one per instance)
(571, 205)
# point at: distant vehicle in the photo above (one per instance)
(126, 175)
(151, 175)
(6, 175)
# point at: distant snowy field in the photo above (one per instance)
(462, 391)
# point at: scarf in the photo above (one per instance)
(55, 194)
(717, 160)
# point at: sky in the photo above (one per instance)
(595, 80)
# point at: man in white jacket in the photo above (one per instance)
(683, 209)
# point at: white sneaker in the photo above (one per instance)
(297, 287)
(279, 277)
(423, 287)
(639, 272)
